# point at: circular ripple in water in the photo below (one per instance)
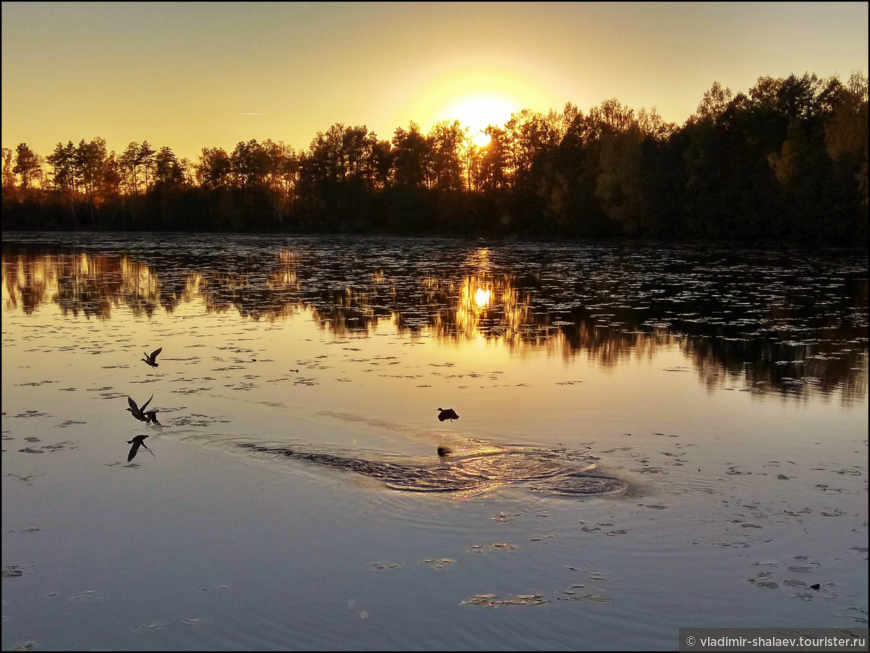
(582, 484)
(554, 471)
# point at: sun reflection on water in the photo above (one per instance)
(565, 310)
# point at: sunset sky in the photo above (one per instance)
(190, 75)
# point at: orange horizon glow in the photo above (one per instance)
(188, 76)
(476, 96)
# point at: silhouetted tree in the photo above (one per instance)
(786, 161)
(145, 158)
(130, 163)
(8, 175)
(27, 166)
(411, 157)
(213, 169)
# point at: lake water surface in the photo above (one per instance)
(648, 438)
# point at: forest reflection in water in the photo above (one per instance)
(788, 322)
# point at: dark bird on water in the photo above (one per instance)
(151, 359)
(447, 413)
(136, 441)
(140, 413)
(443, 451)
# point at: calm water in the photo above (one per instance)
(649, 438)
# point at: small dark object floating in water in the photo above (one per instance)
(136, 441)
(447, 413)
(817, 586)
(151, 358)
(443, 451)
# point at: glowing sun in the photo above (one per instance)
(477, 111)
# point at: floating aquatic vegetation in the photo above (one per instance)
(763, 580)
(87, 596)
(31, 413)
(792, 325)
(492, 601)
(766, 585)
(26, 479)
(153, 627)
(438, 563)
(801, 569)
(386, 566)
(595, 598)
(495, 546)
(503, 546)
(601, 528)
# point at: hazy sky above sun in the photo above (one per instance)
(194, 75)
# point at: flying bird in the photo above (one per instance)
(152, 358)
(139, 413)
(447, 413)
(136, 441)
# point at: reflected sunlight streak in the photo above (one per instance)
(472, 299)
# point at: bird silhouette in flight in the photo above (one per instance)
(447, 413)
(151, 359)
(136, 441)
(140, 413)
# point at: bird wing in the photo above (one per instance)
(146, 403)
(133, 405)
(149, 450)
(154, 353)
(133, 450)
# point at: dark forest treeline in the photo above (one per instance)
(785, 162)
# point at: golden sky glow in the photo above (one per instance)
(194, 75)
(476, 96)
(479, 110)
